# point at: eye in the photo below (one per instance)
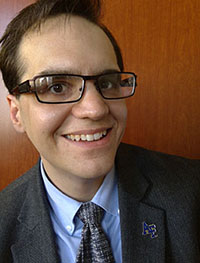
(57, 88)
(107, 84)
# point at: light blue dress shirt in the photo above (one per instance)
(68, 226)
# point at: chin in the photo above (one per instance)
(92, 169)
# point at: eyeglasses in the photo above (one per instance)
(69, 88)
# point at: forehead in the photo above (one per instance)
(64, 43)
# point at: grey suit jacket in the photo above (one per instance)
(161, 190)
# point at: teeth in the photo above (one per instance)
(97, 136)
(77, 138)
(87, 137)
(83, 137)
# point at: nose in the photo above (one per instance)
(92, 105)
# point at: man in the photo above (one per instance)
(64, 72)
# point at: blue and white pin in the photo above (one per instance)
(149, 230)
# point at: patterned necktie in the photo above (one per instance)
(94, 246)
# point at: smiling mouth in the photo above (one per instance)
(87, 137)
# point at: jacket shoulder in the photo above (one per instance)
(153, 160)
(165, 173)
(12, 197)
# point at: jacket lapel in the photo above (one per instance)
(35, 241)
(142, 225)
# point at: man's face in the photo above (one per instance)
(80, 47)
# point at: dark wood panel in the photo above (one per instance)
(161, 43)
(17, 153)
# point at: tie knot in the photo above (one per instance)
(90, 213)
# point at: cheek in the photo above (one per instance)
(43, 118)
(118, 110)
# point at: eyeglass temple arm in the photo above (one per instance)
(22, 88)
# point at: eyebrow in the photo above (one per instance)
(73, 72)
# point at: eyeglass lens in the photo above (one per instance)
(67, 88)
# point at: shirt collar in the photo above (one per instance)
(65, 208)
(107, 195)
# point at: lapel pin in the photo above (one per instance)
(149, 230)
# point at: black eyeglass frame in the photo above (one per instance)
(26, 87)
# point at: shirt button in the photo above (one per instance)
(69, 228)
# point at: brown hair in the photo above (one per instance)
(31, 17)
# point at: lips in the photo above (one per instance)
(87, 136)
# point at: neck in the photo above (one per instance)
(80, 189)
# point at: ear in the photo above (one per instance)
(15, 113)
